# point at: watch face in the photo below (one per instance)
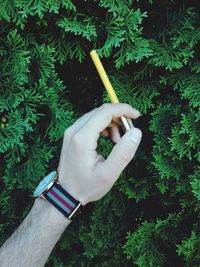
(44, 183)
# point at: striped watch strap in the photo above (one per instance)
(62, 200)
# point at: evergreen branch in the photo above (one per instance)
(64, 48)
(115, 35)
(195, 182)
(164, 55)
(134, 47)
(13, 132)
(188, 248)
(27, 174)
(41, 7)
(79, 25)
(142, 246)
(10, 12)
(117, 7)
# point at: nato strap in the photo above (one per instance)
(62, 200)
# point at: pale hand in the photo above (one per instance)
(86, 175)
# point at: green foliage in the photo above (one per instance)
(150, 50)
(121, 7)
(145, 245)
(134, 189)
(189, 249)
(79, 25)
(103, 235)
(178, 40)
(195, 183)
(115, 35)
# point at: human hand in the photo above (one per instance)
(86, 175)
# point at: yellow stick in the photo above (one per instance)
(104, 76)
(102, 73)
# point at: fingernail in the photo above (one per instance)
(138, 113)
(135, 135)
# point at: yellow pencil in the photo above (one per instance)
(108, 86)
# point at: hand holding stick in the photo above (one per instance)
(127, 123)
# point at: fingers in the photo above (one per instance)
(105, 133)
(78, 124)
(122, 153)
(112, 131)
(117, 121)
(103, 117)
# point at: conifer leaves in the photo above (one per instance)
(115, 35)
(189, 249)
(100, 238)
(188, 85)
(117, 7)
(41, 7)
(134, 188)
(19, 10)
(14, 131)
(177, 134)
(30, 90)
(176, 44)
(165, 161)
(61, 114)
(31, 98)
(185, 28)
(132, 51)
(14, 70)
(79, 25)
(135, 47)
(166, 56)
(33, 168)
(143, 246)
(185, 137)
(195, 66)
(125, 32)
(195, 182)
(42, 62)
(10, 12)
(66, 49)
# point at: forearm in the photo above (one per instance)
(31, 244)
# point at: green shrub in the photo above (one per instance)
(151, 52)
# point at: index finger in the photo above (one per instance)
(103, 117)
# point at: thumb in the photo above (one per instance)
(122, 153)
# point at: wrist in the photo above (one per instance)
(53, 216)
(53, 196)
(70, 187)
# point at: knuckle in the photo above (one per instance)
(76, 139)
(67, 132)
(127, 105)
(105, 106)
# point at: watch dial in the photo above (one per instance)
(44, 183)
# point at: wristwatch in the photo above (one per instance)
(50, 189)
